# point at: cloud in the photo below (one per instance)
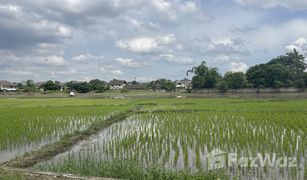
(238, 67)
(290, 4)
(229, 63)
(21, 29)
(54, 60)
(146, 44)
(64, 31)
(173, 10)
(176, 60)
(86, 57)
(117, 72)
(244, 30)
(166, 39)
(226, 45)
(78, 12)
(159, 38)
(188, 7)
(165, 7)
(67, 71)
(300, 45)
(16, 72)
(142, 44)
(129, 63)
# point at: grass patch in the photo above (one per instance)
(131, 170)
(65, 143)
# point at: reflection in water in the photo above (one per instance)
(186, 141)
(47, 134)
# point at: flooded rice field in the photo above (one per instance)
(39, 135)
(240, 144)
(28, 124)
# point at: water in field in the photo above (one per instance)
(38, 134)
(240, 144)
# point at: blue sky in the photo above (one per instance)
(143, 39)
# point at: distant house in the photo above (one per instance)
(184, 83)
(39, 85)
(8, 86)
(117, 84)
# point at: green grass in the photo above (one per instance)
(132, 170)
(25, 122)
(169, 136)
(164, 141)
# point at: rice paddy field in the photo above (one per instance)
(213, 138)
(27, 124)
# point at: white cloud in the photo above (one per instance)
(176, 60)
(188, 7)
(86, 57)
(290, 4)
(53, 60)
(165, 7)
(174, 10)
(226, 41)
(159, 33)
(10, 8)
(117, 72)
(167, 39)
(230, 63)
(146, 44)
(18, 72)
(67, 71)
(78, 11)
(65, 32)
(238, 67)
(223, 45)
(133, 22)
(278, 35)
(129, 63)
(86, 78)
(7, 56)
(300, 45)
(142, 44)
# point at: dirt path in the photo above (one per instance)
(26, 174)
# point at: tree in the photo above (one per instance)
(198, 82)
(51, 86)
(20, 86)
(80, 87)
(222, 85)
(269, 75)
(235, 80)
(293, 61)
(162, 84)
(98, 85)
(301, 82)
(134, 82)
(278, 76)
(29, 87)
(204, 77)
(305, 78)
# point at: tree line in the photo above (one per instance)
(284, 71)
(95, 85)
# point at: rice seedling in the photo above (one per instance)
(178, 139)
(27, 124)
